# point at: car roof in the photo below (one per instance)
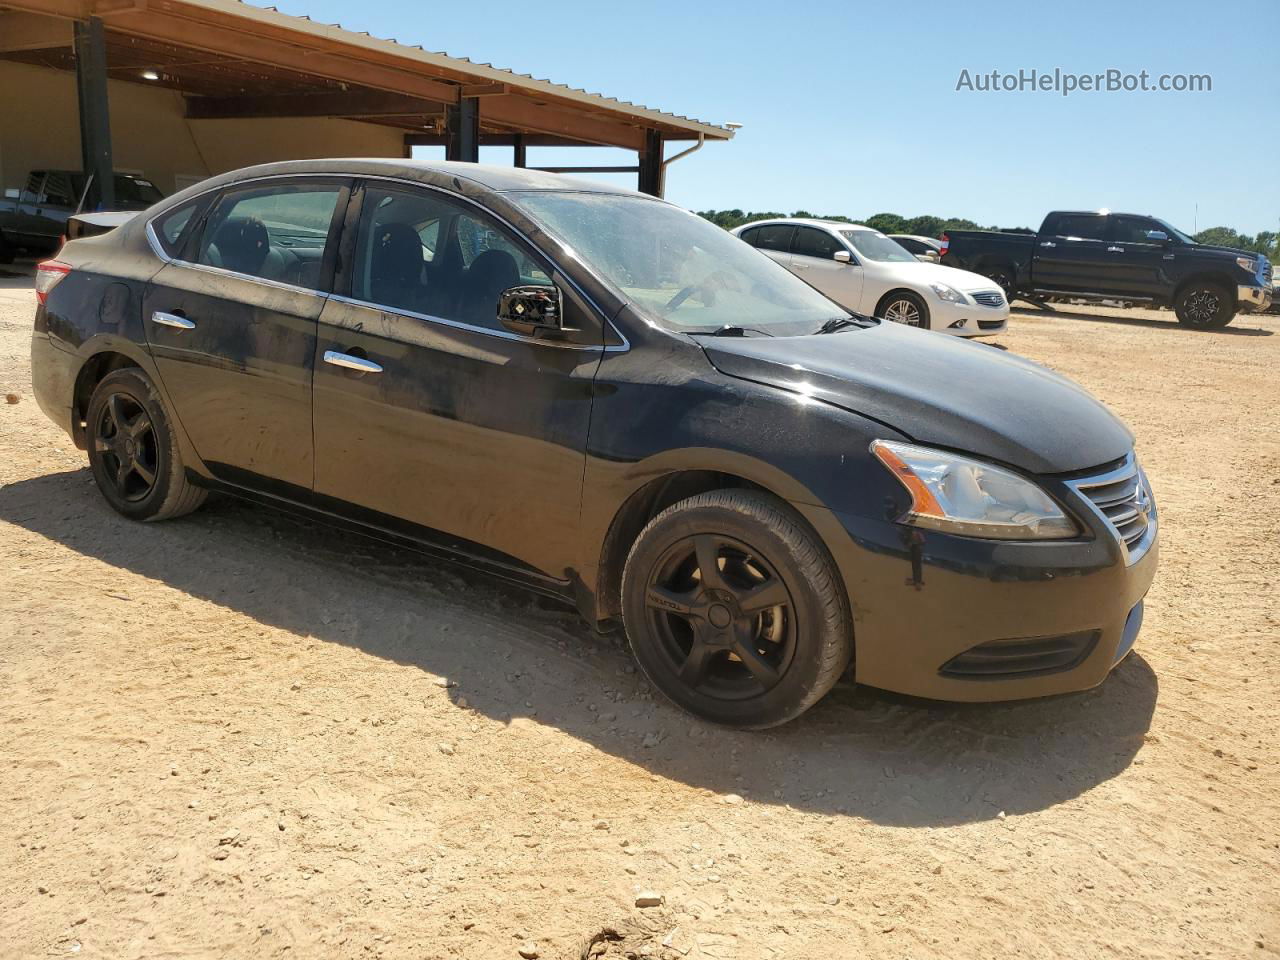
(490, 176)
(810, 222)
(913, 236)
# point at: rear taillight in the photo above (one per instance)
(946, 245)
(48, 275)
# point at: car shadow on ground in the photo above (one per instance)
(890, 759)
(1070, 313)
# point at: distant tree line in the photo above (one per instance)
(1267, 242)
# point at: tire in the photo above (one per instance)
(7, 253)
(904, 303)
(1205, 305)
(751, 667)
(1003, 279)
(133, 451)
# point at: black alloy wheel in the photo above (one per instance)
(734, 609)
(134, 451)
(125, 438)
(722, 616)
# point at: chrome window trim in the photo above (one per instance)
(474, 328)
(154, 241)
(1125, 471)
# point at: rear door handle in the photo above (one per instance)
(346, 360)
(1048, 243)
(1115, 249)
(174, 320)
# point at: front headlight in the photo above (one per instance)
(958, 495)
(948, 294)
(1247, 264)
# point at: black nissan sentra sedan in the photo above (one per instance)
(606, 397)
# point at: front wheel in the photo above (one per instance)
(905, 307)
(734, 611)
(1204, 305)
(133, 451)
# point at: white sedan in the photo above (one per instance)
(865, 272)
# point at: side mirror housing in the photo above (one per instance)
(842, 256)
(1157, 236)
(532, 310)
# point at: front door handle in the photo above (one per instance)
(1048, 243)
(346, 360)
(174, 320)
(1115, 249)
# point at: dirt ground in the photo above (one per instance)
(242, 735)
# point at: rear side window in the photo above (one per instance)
(1082, 226)
(750, 236)
(276, 232)
(912, 246)
(811, 242)
(776, 237)
(173, 227)
(58, 191)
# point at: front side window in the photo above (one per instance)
(420, 252)
(812, 242)
(275, 232)
(677, 269)
(876, 246)
(1132, 229)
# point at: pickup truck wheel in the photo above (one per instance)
(734, 611)
(133, 451)
(905, 307)
(7, 252)
(1205, 305)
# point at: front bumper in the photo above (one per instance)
(1253, 299)
(922, 600)
(967, 319)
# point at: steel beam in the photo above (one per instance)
(650, 171)
(462, 128)
(95, 117)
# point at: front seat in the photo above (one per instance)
(489, 274)
(395, 267)
(241, 244)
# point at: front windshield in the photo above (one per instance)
(1175, 232)
(680, 271)
(876, 246)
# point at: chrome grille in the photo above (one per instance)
(1123, 498)
(989, 298)
(1267, 273)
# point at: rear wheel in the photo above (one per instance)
(7, 252)
(905, 307)
(1204, 305)
(734, 611)
(133, 451)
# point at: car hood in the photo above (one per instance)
(938, 390)
(920, 273)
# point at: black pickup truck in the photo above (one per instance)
(1099, 255)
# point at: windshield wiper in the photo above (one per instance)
(730, 330)
(839, 323)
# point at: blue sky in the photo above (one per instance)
(851, 107)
